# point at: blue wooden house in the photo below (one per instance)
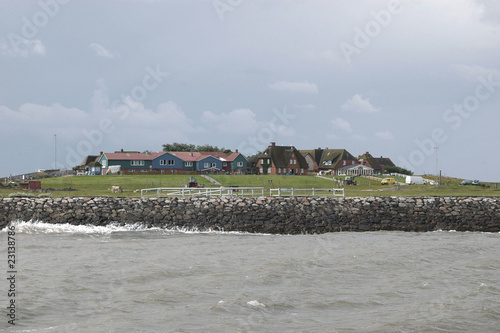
(209, 164)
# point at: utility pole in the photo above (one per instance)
(55, 151)
(437, 168)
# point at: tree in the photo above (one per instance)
(178, 147)
(396, 169)
(190, 147)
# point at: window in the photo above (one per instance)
(268, 170)
(224, 164)
(279, 170)
(167, 162)
(239, 164)
(137, 163)
(261, 170)
(301, 170)
(206, 165)
(188, 164)
(352, 162)
(344, 162)
(214, 165)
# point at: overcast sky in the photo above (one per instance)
(395, 78)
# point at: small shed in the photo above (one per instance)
(94, 168)
(34, 185)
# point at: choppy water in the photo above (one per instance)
(125, 279)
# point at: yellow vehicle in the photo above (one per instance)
(388, 181)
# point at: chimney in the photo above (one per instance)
(273, 144)
(236, 151)
(100, 154)
(121, 150)
(367, 153)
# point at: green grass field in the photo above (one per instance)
(132, 184)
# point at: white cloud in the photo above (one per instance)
(490, 11)
(386, 135)
(298, 87)
(23, 48)
(103, 52)
(238, 121)
(328, 57)
(358, 104)
(341, 124)
(473, 72)
(306, 107)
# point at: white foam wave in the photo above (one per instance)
(256, 304)
(38, 227)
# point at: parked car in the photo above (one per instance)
(388, 181)
(411, 180)
(476, 182)
(466, 182)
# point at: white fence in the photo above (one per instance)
(203, 191)
(297, 192)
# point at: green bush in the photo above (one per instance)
(396, 169)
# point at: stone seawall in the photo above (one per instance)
(265, 215)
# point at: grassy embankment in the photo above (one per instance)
(100, 185)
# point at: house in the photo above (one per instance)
(331, 160)
(312, 166)
(200, 162)
(93, 168)
(130, 162)
(280, 160)
(355, 170)
(170, 163)
(237, 163)
(89, 166)
(378, 164)
(208, 164)
(174, 162)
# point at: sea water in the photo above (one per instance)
(131, 279)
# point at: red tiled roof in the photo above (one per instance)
(133, 156)
(216, 154)
(196, 156)
(187, 156)
(231, 157)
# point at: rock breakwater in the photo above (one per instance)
(291, 215)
